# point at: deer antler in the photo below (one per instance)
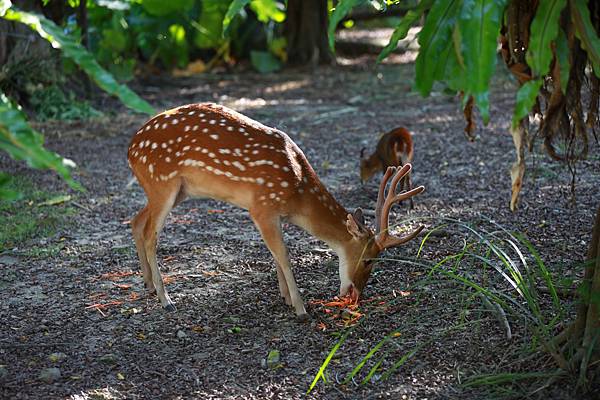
(385, 203)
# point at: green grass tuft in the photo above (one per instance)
(28, 218)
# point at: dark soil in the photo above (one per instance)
(222, 277)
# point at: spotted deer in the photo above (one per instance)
(207, 150)
(394, 148)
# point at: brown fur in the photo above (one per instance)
(206, 150)
(394, 149)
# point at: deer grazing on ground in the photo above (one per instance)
(207, 150)
(394, 149)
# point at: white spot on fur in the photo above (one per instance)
(240, 166)
(214, 136)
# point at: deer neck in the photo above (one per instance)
(324, 218)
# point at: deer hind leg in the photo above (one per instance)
(284, 291)
(138, 223)
(159, 206)
(270, 230)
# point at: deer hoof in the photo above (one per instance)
(302, 317)
(170, 308)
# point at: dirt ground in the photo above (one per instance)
(222, 277)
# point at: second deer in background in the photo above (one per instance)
(394, 149)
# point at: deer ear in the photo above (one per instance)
(358, 216)
(362, 152)
(355, 223)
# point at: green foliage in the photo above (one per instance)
(28, 218)
(479, 26)
(526, 97)
(70, 48)
(562, 56)
(411, 17)
(264, 62)
(21, 142)
(435, 44)
(544, 29)
(266, 10)
(161, 8)
(494, 274)
(6, 192)
(210, 24)
(586, 33)
(50, 102)
(342, 8)
(234, 9)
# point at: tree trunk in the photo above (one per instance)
(306, 32)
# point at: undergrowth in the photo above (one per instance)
(497, 284)
(52, 102)
(37, 214)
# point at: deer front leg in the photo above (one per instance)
(269, 226)
(158, 209)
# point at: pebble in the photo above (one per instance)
(3, 373)
(181, 334)
(50, 375)
(56, 357)
(273, 360)
(109, 358)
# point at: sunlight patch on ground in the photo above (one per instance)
(106, 393)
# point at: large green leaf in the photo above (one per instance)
(342, 8)
(401, 30)
(586, 33)
(562, 56)
(479, 25)
(433, 41)
(21, 142)
(264, 62)
(544, 29)
(526, 99)
(73, 50)
(210, 24)
(4, 5)
(234, 9)
(267, 10)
